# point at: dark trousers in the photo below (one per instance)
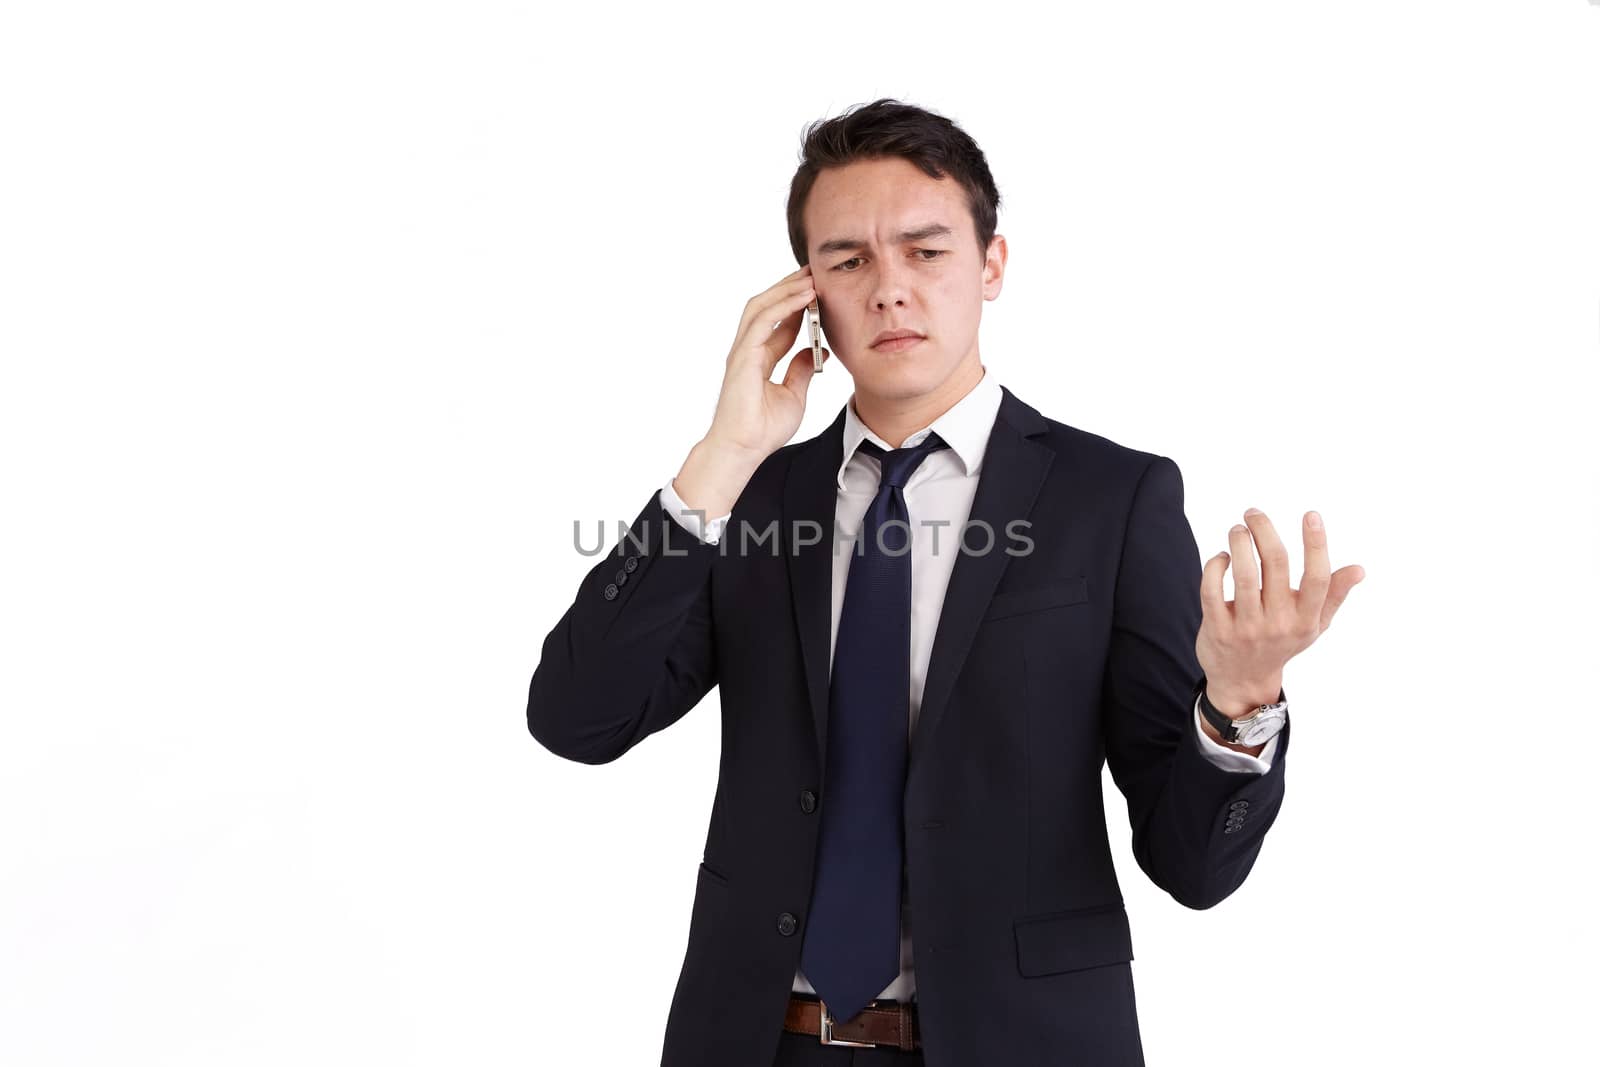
(801, 1050)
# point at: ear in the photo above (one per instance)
(994, 267)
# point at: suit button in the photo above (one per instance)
(808, 801)
(1239, 805)
(622, 577)
(786, 924)
(611, 592)
(630, 564)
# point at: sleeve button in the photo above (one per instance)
(611, 592)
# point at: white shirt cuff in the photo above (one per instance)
(708, 532)
(1231, 759)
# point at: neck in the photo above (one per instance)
(896, 418)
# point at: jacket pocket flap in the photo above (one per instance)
(1073, 940)
(1050, 595)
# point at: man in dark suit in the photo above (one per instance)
(931, 625)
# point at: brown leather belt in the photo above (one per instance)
(883, 1022)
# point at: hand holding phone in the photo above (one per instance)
(756, 415)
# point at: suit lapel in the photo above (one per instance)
(810, 496)
(1014, 469)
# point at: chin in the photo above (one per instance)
(901, 379)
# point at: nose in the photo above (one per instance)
(891, 284)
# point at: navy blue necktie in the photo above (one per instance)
(851, 950)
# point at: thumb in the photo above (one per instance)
(797, 377)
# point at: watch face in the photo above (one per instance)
(1262, 729)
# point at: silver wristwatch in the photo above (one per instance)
(1257, 728)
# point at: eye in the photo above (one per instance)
(932, 254)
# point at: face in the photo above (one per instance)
(876, 267)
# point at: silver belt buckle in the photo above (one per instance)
(825, 1028)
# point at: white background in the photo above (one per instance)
(322, 322)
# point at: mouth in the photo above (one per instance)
(896, 340)
(898, 344)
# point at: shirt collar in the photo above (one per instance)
(965, 427)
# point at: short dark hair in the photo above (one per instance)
(888, 127)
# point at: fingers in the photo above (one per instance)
(1246, 578)
(1343, 580)
(1314, 582)
(756, 309)
(771, 319)
(1274, 562)
(781, 337)
(773, 307)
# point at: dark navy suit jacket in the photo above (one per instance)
(1045, 666)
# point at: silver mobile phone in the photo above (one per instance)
(816, 336)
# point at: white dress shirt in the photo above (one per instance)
(940, 490)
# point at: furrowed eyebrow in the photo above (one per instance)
(850, 244)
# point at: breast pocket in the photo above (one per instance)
(1073, 940)
(710, 874)
(1060, 594)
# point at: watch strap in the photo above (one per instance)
(1226, 726)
